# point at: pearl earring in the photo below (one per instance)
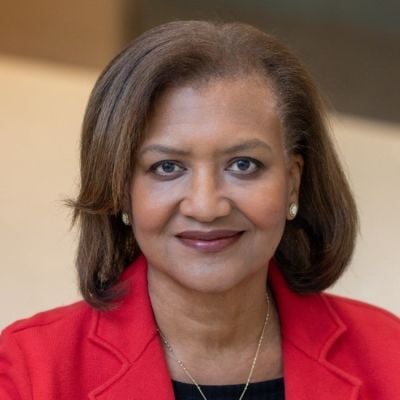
(293, 209)
(125, 218)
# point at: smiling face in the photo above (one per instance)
(212, 184)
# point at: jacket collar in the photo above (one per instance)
(129, 333)
(310, 327)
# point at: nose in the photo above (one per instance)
(204, 199)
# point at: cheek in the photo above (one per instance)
(265, 206)
(151, 206)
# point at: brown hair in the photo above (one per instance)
(316, 245)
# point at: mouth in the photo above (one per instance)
(210, 241)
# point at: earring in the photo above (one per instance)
(293, 209)
(125, 218)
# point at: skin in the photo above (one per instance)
(211, 306)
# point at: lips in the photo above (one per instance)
(210, 235)
(209, 241)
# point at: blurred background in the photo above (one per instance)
(50, 56)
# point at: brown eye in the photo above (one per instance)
(244, 165)
(166, 168)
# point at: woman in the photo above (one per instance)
(206, 172)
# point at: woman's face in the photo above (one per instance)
(212, 184)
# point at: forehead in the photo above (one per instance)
(220, 108)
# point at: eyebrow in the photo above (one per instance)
(245, 145)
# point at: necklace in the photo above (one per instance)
(253, 364)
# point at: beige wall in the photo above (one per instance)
(41, 108)
(371, 153)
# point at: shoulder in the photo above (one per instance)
(365, 321)
(52, 350)
(359, 311)
(56, 324)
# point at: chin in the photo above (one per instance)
(213, 279)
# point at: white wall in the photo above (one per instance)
(41, 108)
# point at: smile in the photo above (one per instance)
(209, 242)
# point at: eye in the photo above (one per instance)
(244, 165)
(166, 168)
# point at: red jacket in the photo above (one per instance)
(333, 348)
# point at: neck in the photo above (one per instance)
(204, 327)
(212, 320)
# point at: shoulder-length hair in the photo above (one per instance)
(316, 246)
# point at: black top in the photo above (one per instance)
(267, 390)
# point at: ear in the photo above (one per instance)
(295, 170)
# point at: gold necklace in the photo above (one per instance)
(253, 364)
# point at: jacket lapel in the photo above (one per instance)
(129, 332)
(310, 328)
(145, 379)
